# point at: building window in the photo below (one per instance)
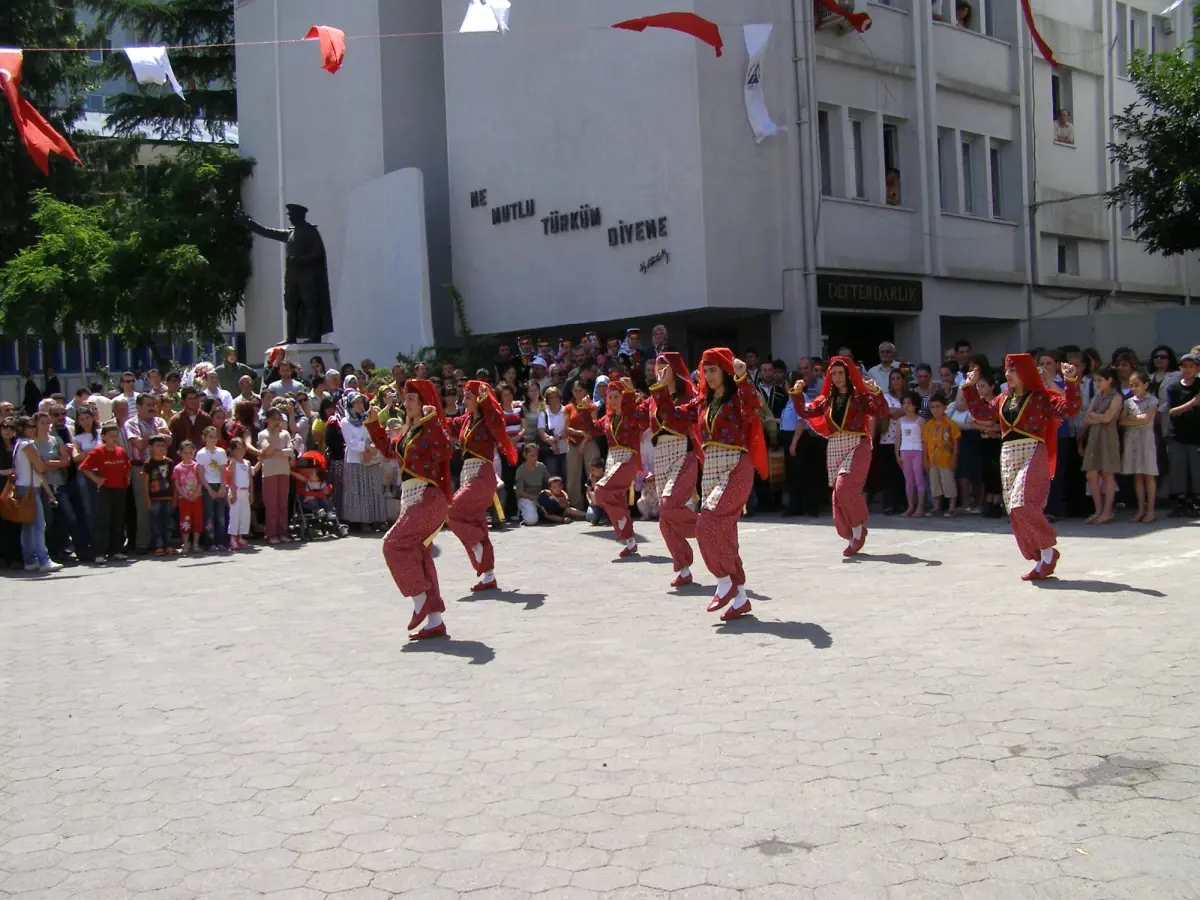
(973, 15)
(96, 55)
(1162, 34)
(891, 164)
(93, 102)
(826, 152)
(995, 181)
(1068, 257)
(968, 176)
(1133, 34)
(947, 170)
(1061, 104)
(858, 159)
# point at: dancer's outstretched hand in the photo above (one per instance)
(739, 368)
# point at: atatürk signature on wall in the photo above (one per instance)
(662, 256)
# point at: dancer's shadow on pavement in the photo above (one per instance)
(531, 601)
(895, 559)
(1094, 587)
(478, 653)
(788, 631)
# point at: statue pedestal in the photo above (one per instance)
(299, 355)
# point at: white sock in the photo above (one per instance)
(477, 553)
(723, 585)
(620, 524)
(418, 602)
(856, 531)
(434, 620)
(685, 572)
(488, 577)
(741, 599)
(1047, 556)
(631, 544)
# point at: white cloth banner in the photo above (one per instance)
(486, 15)
(761, 123)
(152, 66)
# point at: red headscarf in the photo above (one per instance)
(489, 408)
(822, 426)
(683, 378)
(1031, 378)
(722, 357)
(425, 389)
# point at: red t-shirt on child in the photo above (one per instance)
(111, 465)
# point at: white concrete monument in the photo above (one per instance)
(382, 301)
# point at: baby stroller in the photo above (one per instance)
(314, 514)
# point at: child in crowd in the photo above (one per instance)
(108, 467)
(1139, 457)
(911, 455)
(647, 502)
(940, 437)
(595, 514)
(554, 503)
(188, 490)
(316, 493)
(160, 495)
(239, 480)
(212, 461)
(276, 460)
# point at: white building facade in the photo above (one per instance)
(578, 177)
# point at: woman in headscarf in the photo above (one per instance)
(423, 451)
(842, 414)
(1029, 414)
(480, 432)
(622, 424)
(676, 438)
(734, 449)
(363, 502)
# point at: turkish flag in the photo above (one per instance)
(333, 46)
(1038, 40)
(689, 23)
(36, 133)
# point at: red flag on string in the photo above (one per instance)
(38, 136)
(860, 22)
(333, 46)
(1038, 40)
(689, 23)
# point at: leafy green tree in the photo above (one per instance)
(206, 73)
(1159, 151)
(169, 257)
(55, 83)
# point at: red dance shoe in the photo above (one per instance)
(492, 585)
(628, 552)
(426, 633)
(856, 545)
(1034, 574)
(1048, 568)
(736, 612)
(421, 614)
(681, 580)
(719, 602)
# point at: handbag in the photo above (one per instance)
(18, 510)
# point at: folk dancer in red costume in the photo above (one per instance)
(842, 412)
(734, 447)
(623, 422)
(677, 454)
(423, 451)
(481, 432)
(1029, 414)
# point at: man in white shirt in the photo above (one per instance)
(887, 362)
(212, 388)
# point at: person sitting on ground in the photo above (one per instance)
(531, 479)
(555, 505)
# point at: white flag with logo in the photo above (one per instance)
(761, 123)
(152, 66)
(486, 15)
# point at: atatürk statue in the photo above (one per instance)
(306, 277)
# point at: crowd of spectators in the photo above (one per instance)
(212, 458)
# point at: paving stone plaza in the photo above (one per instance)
(917, 723)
